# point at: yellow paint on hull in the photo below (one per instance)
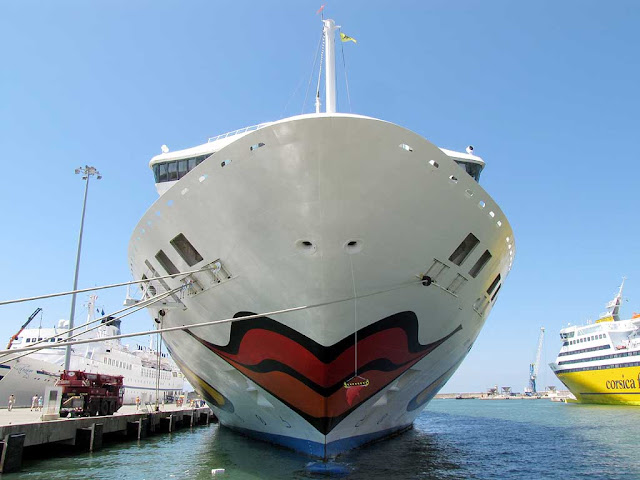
(611, 386)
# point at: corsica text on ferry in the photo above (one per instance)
(621, 384)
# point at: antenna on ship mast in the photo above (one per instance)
(614, 305)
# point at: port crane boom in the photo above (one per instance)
(33, 315)
(533, 368)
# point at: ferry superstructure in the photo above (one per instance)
(391, 251)
(29, 375)
(600, 363)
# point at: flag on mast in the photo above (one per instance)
(320, 9)
(347, 38)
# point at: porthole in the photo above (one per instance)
(306, 246)
(353, 246)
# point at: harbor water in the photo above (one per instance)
(515, 439)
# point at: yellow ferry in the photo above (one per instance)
(600, 363)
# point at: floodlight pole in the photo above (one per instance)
(86, 171)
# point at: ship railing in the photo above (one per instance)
(617, 326)
(237, 132)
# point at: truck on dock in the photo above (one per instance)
(90, 394)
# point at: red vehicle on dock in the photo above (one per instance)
(87, 394)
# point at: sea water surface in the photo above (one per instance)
(479, 439)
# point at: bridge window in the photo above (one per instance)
(173, 171)
(160, 172)
(473, 169)
(182, 168)
(176, 169)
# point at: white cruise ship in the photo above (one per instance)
(29, 375)
(388, 245)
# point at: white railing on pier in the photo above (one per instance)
(237, 132)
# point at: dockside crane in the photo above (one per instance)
(33, 315)
(533, 368)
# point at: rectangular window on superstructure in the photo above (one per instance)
(493, 285)
(187, 251)
(192, 163)
(496, 292)
(479, 265)
(166, 263)
(464, 249)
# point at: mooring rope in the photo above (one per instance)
(218, 322)
(306, 94)
(320, 67)
(355, 319)
(113, 285)
(134, 308)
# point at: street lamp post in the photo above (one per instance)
(86, 172)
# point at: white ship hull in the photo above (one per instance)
(25, 378)
(329, 205)
(29, 375)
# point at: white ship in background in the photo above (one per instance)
(390, 240)
(29, 375)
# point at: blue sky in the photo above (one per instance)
(546, 92)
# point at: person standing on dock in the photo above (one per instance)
(40, 403)
(34, 403)
(12, 400)
(137, 402)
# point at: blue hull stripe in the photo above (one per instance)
(317, 449)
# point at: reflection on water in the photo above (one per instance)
(472, 439)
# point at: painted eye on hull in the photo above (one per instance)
(309, 377)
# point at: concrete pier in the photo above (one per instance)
(21, 429)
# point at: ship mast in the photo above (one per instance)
(613, 307)
(330, 64)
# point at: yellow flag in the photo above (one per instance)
(347, 38)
